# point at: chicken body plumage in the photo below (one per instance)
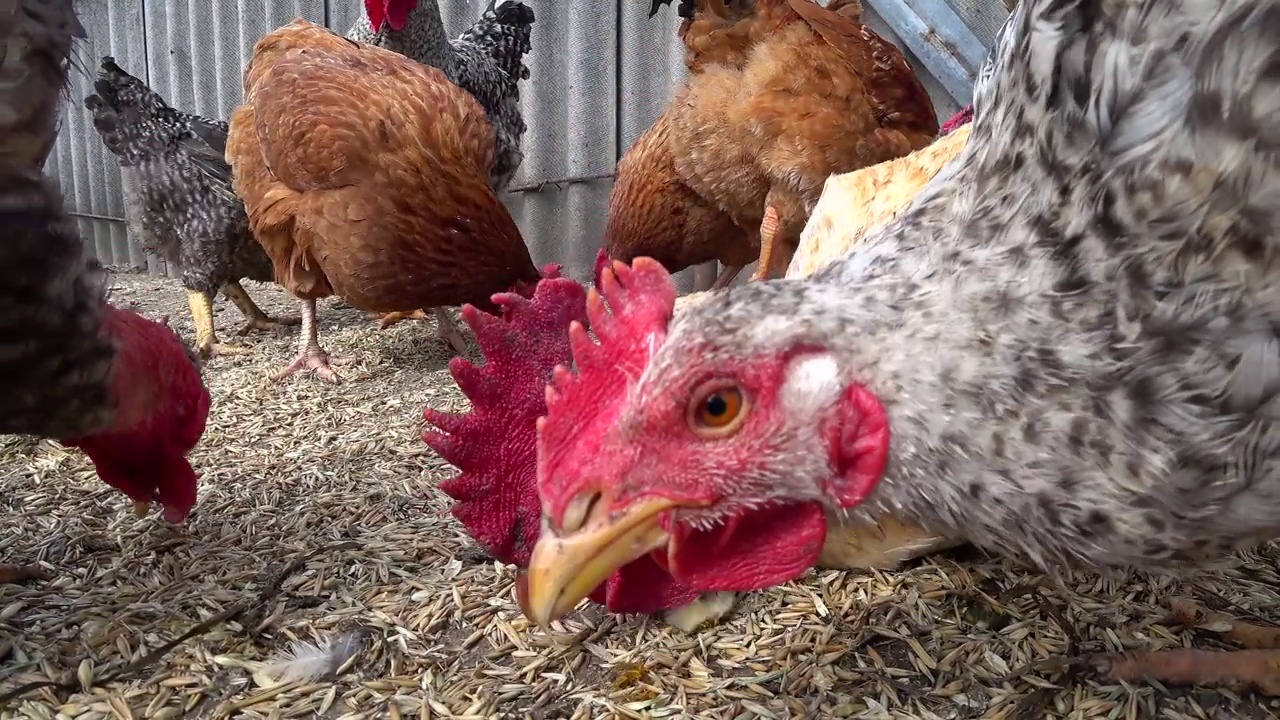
(178, 183)
(815, 92)
(72, 367)
(486, 60)
(178, 196)
(1092, 281)
(366, 174)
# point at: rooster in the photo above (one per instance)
(1091, 283)
(178, 188)
(122, 388)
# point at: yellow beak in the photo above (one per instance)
(141, 508)
(565, 569)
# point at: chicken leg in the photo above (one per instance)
(256, 319)
(768, 239)
(311, 356)
(726, 276)
(207, 343)
(392, 318)
(1257, 667)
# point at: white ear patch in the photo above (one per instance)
(812, 383)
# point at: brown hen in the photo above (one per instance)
(786, 93)
(652, 212)
(366, 175)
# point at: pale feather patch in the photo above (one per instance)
(812, 383)
(305, 662)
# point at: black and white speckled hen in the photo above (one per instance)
(1067, 347)
(178, 193)
(122, 388)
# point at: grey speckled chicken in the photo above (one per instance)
(179, 197)
(487, 60)
(1067, 348)
(120, 387)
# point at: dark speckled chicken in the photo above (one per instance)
(178, 192)
(122, 388)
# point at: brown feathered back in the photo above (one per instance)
(367, 174)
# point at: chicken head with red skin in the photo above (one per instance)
(161, 409)
(494, 444)
(394, 12)
(721, 467)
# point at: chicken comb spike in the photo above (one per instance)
(641, 300)
(629, 315)
(494, 445)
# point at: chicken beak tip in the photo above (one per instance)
(564, 570)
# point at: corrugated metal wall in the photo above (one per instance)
(601, 73)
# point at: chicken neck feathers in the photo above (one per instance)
(1091, 284)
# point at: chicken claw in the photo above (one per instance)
(257, 319)
(446, 328)
(314, 360)
(311, 356)
(394, 317)
(22, 573)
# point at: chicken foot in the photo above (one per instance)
(255, 318)
(207, 342)
(445, 326)
(1255, 668)
(311, 356)
(393, 318)
(22, 573)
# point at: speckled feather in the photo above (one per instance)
(55, 363)
(398, 217)
(1073, 328)
(177, 183)
(486, 60)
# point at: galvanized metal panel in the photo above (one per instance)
(85, 172)
(601, 73)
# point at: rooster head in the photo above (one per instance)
(161, 409)
(394, 12)
(673, 445)
(494, 445)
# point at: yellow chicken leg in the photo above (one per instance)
(257, 320)
(768, 236)
(207, 344)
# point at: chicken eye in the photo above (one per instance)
(717, 409)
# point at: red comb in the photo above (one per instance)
(602, 262)
(582, 406)
(494, 445)
(964, 116)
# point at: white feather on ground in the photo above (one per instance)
(306, 662)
